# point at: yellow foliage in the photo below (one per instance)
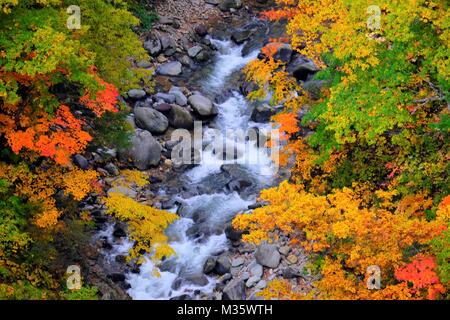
(340, 225)
(40, 186)
(146, 225)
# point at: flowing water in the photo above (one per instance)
(183, 274)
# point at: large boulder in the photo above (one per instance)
(172, 68)
(268, 255)
(234, 290)
(202, 105)
(150, 120)
(180, 118)
(301, 68)
(145, 150)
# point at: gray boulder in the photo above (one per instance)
(151, 120)
(226, 5)
(301, 68)
(145, 150)
(169, 98)
(234, 290)
(284, 53)
(180, 118)
(194, 51)
(173, 68)
(80, 161)
(268, 255)
(213, 2)
(167, 42)
(202, 105)
(180, 98)
(209, 265)
(252, 281)
(153, 46)
(262, 113)
(136, 94)
(240, 36)
(223, 265)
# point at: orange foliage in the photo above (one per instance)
(421, 273)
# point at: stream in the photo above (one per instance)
(199, 233)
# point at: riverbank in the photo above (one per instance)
(197, 65)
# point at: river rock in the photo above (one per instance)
(213, 2)
(223, 265)
(167, 42)
(232, 233)
(284, 250)
(268, 255)
(144, 64)
(166, 97)
(209, 265)
(284, 53)
(145, 151)
(201, 30)
(194, 51)
(136, 94)
(240, 36)
(163, 107)
(153, 46)
(202, 105)
(261, 285)
(202, 56)
(262, 113)
(252, 281)
(236, 262)
(173, 68)
(234, 290)
(80, 161)
(112, 169)
(256, 269)
(301, 68)
(180, 118)
(151, 120)
(130, 193)
(292, 259)
(226, 5)
(197, 280)
(180, 98)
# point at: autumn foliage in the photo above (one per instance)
(370, 179)
(55, 86)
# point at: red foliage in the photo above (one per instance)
(422, 275)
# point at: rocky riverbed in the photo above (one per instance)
(197, 55)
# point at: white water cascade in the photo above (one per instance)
(191, 253)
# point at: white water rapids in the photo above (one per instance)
(191, 253)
